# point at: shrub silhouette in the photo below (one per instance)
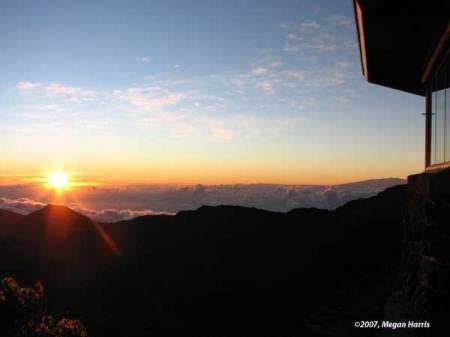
(22, 314)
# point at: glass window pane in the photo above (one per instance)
(440, 127)
(440, 130)
(447, 124)
(433, 128)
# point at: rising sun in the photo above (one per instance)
(58, 180)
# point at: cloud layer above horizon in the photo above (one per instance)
(110, 204)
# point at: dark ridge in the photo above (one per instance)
(57, 244)
(376, 182)
(310, 211)
(7, 220)
(215, 271)
(224, 209)
(394, 194)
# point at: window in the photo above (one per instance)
(440, 119)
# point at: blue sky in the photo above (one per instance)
(201, 91)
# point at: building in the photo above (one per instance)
(405, 45)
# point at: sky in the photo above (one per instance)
(210, 92)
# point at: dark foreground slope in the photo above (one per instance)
(217, 271)
(7, 221)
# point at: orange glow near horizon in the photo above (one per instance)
(311, 170)
(63, 181)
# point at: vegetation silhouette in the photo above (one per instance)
(22, 314)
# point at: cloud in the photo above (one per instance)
(113, 215)
(180, 81)
(258, 71)
(290, 122)
(279, 83)
(310, 38)
(166, 106)
(297, 74)
(115, 203)
(210, 108)
(20, 205)
(176, 124)
(266, 86)
(74, 93)
(27, 85)
(51, 109)
(310, 25)
(144, 59)
(268, 59)
(338, 74)
(259, 78)
(235, 82)
(54, 89)
(200, 124)
(340, 20)
(57, 88)
(26, 206)
(221, 133)
(150, 97)
(316, 43)
(244, 126)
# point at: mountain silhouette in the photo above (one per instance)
(59, 245)
(7, 220)
(215, 271)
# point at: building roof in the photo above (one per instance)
(397, 39)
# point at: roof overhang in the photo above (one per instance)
(397, 40)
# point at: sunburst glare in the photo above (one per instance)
(58, 180)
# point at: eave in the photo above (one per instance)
(397, 39)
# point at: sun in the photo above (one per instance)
(58, 180)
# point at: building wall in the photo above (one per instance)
(426, 274)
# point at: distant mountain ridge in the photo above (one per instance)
(214, 271)
(112, 204)
(375, 182)
(7, 220)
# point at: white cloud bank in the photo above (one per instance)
(25, 206)
(110, 204)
